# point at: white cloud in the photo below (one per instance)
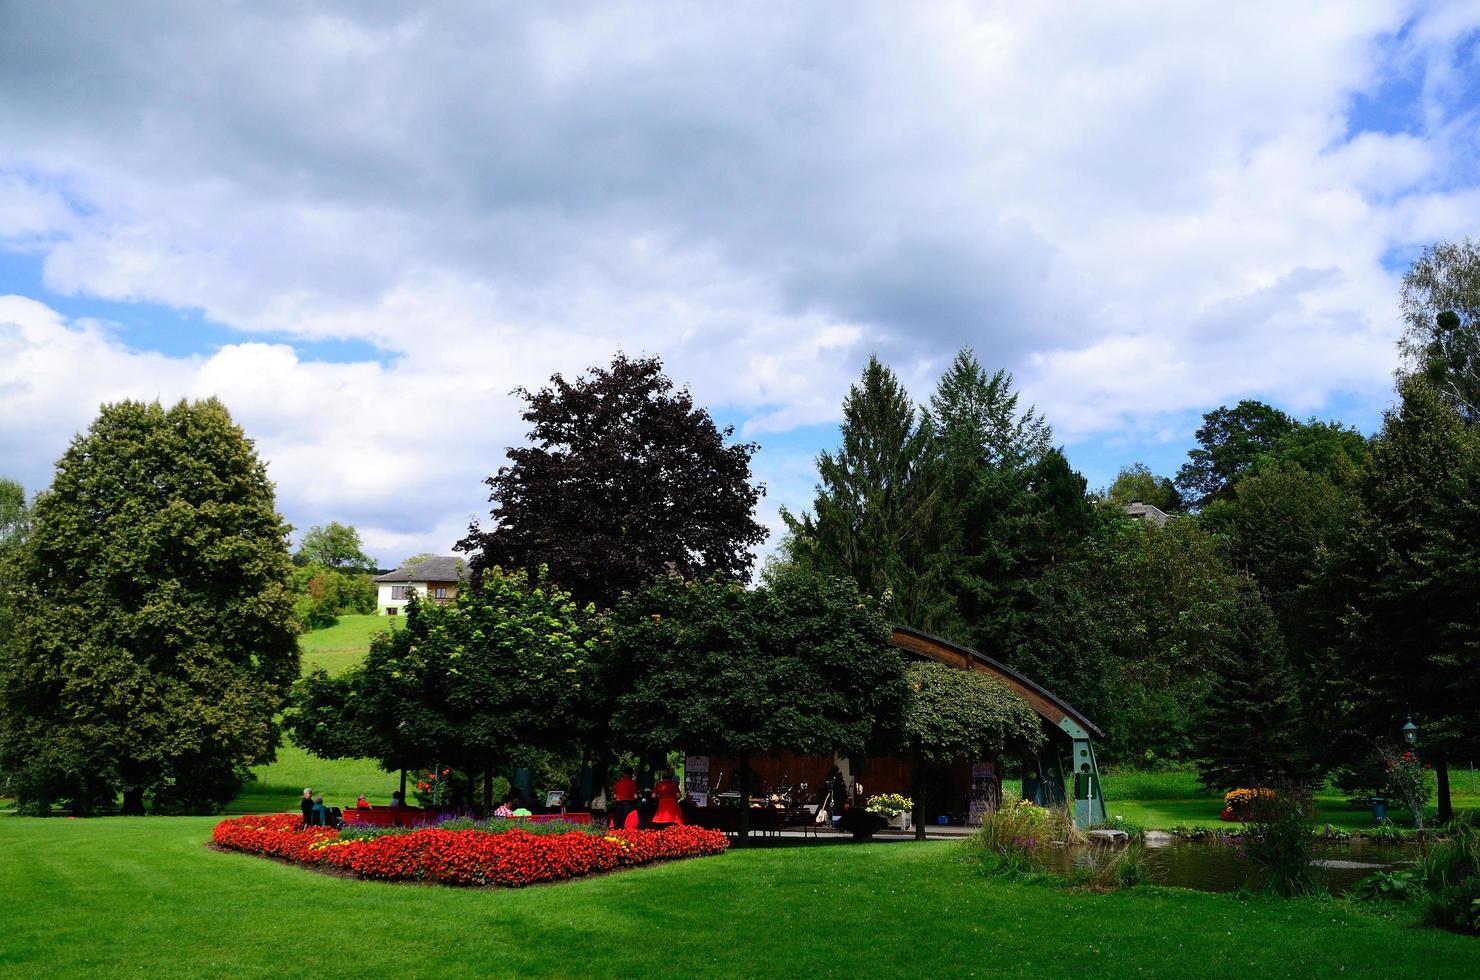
(1142, 209)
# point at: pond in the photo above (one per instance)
(1220, 866)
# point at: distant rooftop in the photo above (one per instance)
(1147, 512)
(431, 570)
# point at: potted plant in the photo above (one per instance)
(894, 808)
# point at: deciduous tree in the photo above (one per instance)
(1229, 441)
(802, 663)
(624, 479)
(335, 546)
(154, 641)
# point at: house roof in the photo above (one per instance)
(1147, 512)
(432, 570)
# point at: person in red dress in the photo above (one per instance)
(669, 812)
(624, 800)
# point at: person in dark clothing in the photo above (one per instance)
(647, 808)
(306, 805)
(838, 795)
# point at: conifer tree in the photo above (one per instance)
(875, 517)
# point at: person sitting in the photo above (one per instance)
(504, 811)
(362, 803)
(646, 808)
(307, 806)
(320, 815)
(667, 811)
(520, 810)
(397, 799)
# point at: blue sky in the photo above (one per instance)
(362, 228)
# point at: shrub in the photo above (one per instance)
(1451, 875)
(1110, 869)
(1389, 886)
(1279, 840)
(1021, 826)
(889, 804)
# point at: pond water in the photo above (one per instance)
(1220, 866)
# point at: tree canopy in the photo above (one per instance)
(153, 639)
(335, 546)
(1229, 441)
(1137, 483)
(1441, 313)
(624, 480)
(801, 663)
(506, 669)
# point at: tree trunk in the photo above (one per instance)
(403, 786)
(917, 804)
(744, 832)
(1446, 806)
(133, 801)
(488, 790)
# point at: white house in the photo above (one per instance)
(435, 578)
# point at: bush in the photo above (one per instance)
(1451, 875)
(1110, 869)
(1020, 826)
(1389, 886)
(1279, 841)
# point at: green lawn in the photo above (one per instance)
(344, 644)
(144, 896)
(1164, 800)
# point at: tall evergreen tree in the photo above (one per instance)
(977, 421)
(875, 517)
(154, 641)
(1253, 729)
(1408, 579)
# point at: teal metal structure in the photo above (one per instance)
(1069, 749)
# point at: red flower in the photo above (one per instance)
(512, 858)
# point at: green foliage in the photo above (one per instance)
(802, 663)
(1252, 729)
(976, 418)
(875, 517)
(624, 480)
(325, 593)
(505, 669)
(1279, 841)
(336, 546)
(153, 640)
(1229, 441)
(14, 514)
(1137, 482)
(1401, 589)
(961, 714)
(1019, 827)
(1126, 629)
(1441, 309)
(1389, 886)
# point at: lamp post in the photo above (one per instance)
(1410, 733)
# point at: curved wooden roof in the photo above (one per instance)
(1054, 710)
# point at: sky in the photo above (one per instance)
(363, 225)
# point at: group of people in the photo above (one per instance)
(316, 814)
(656, 808)
(513, 806)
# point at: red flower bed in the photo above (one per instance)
(511, 858)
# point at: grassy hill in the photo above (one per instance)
(343, 644)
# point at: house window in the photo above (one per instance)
(441, 592)
(391, 610)
(400, 592)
